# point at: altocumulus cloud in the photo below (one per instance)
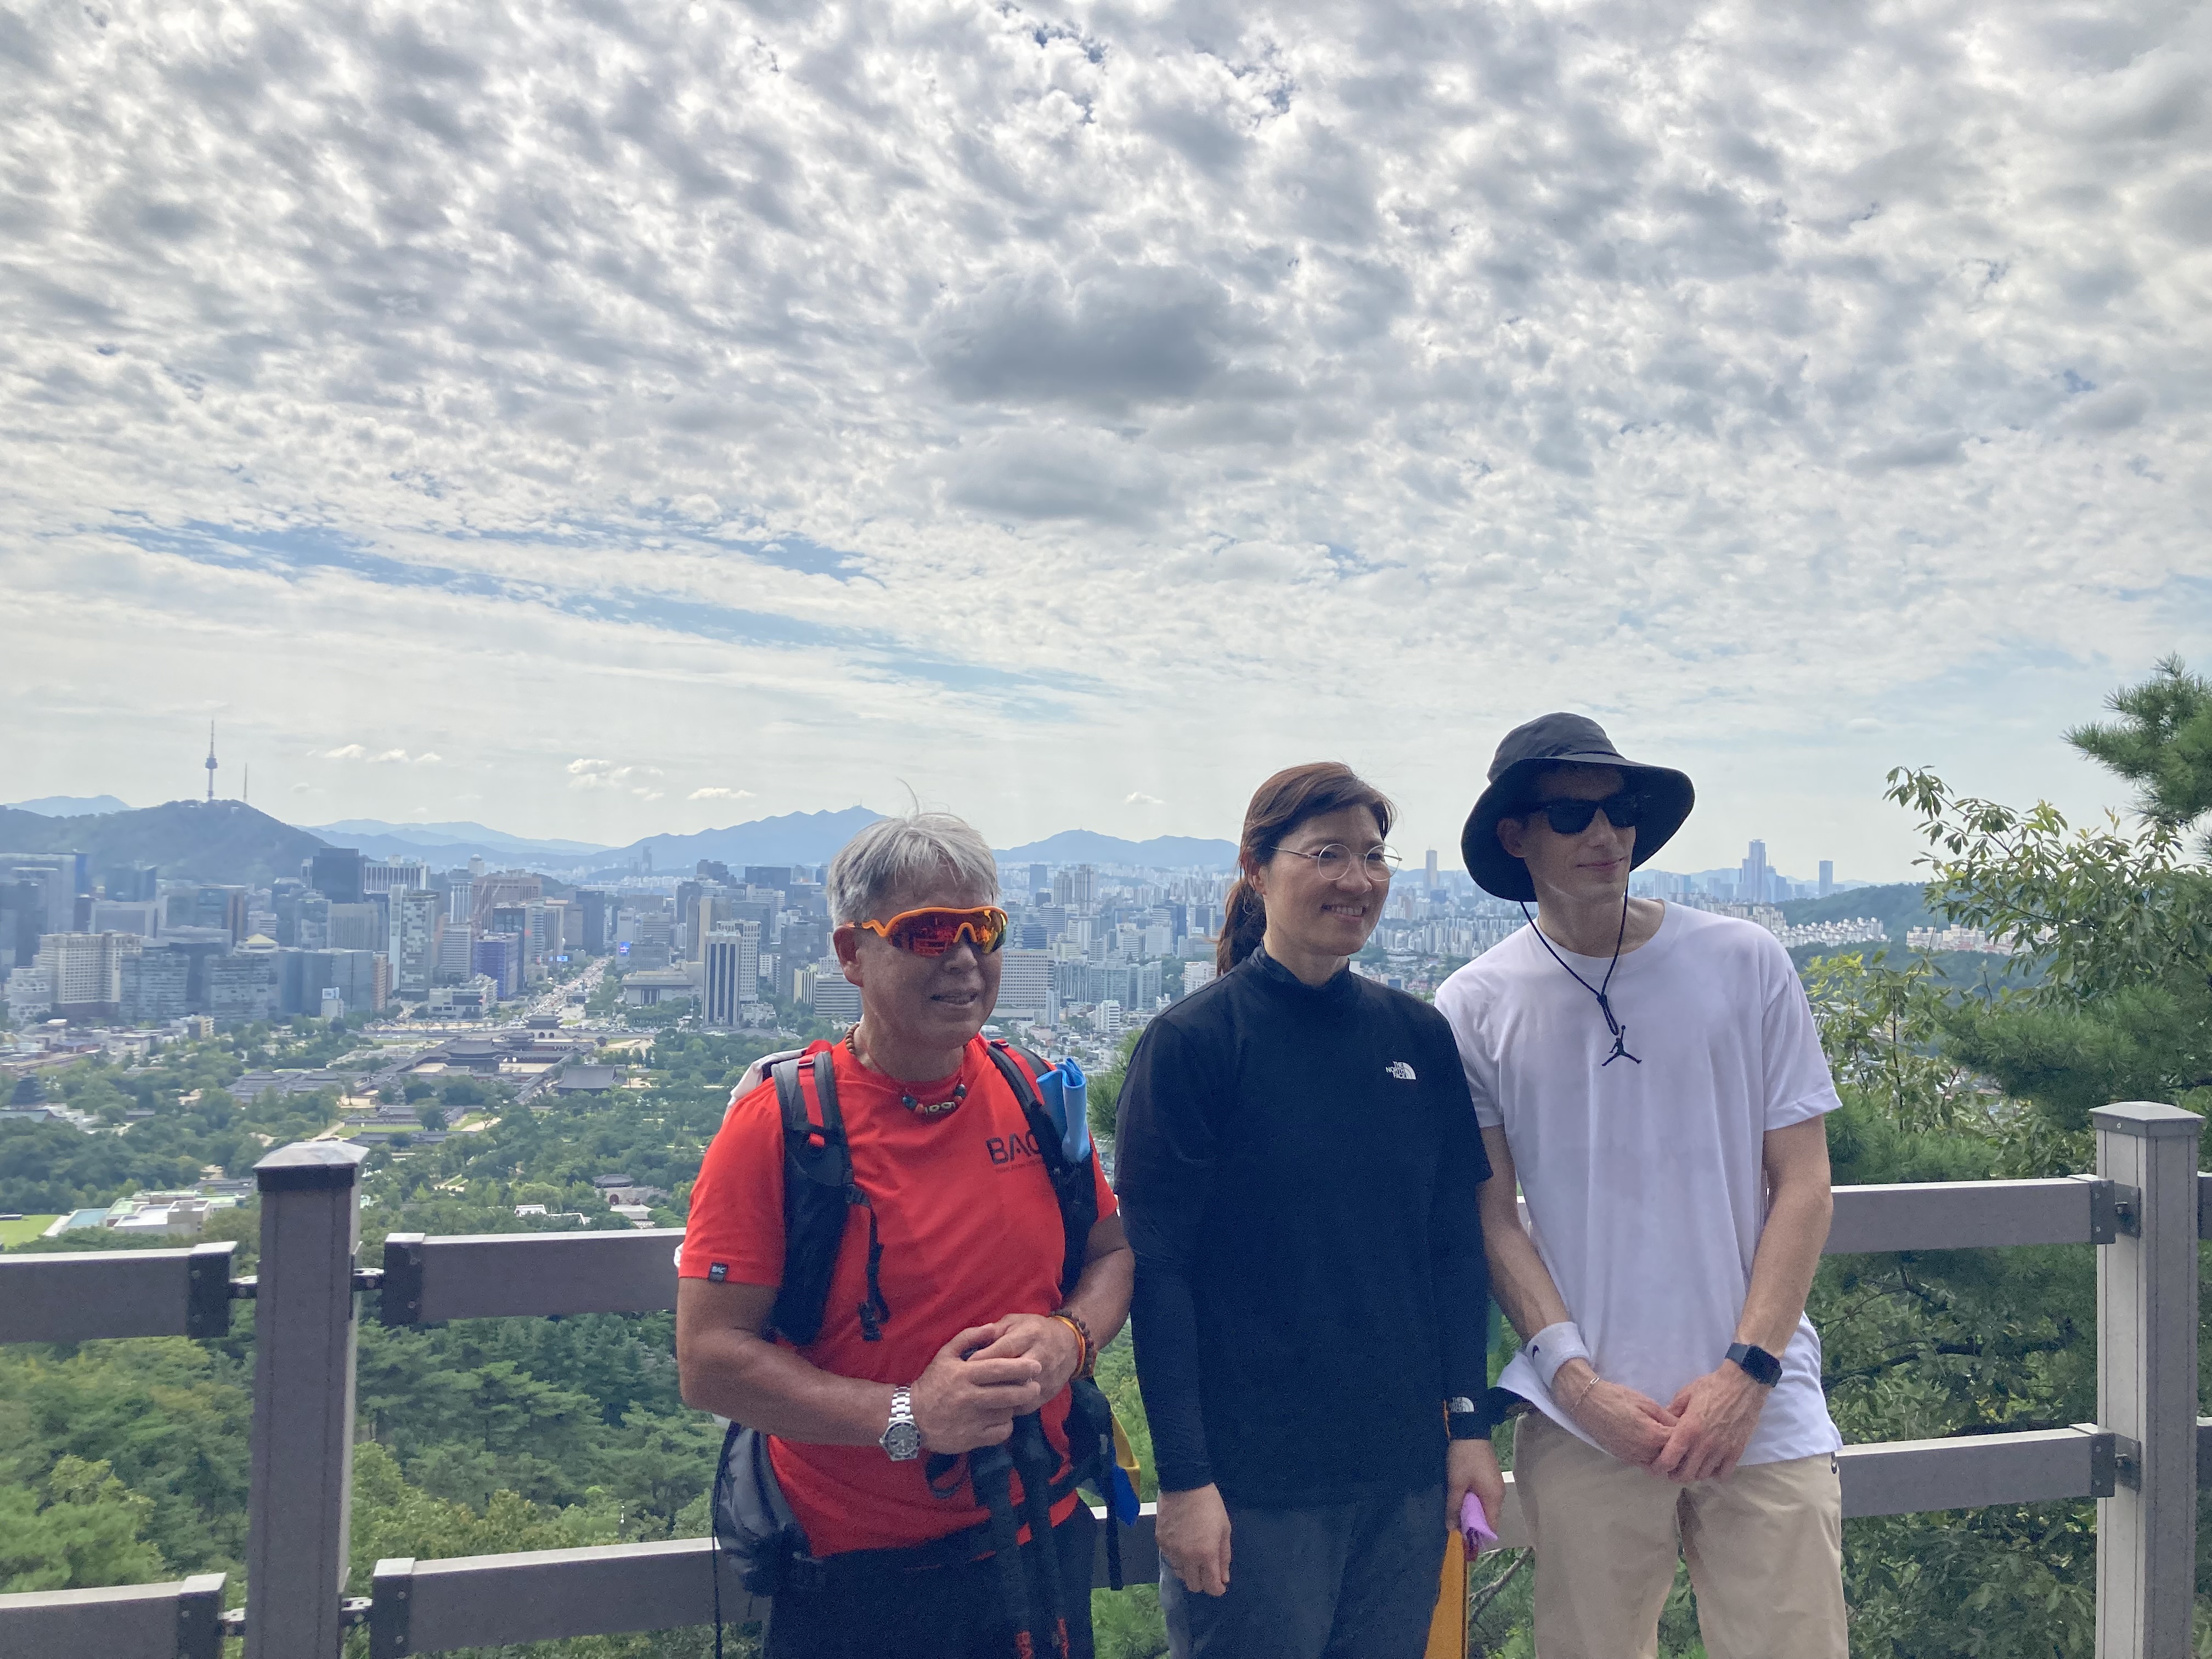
(1712, 358)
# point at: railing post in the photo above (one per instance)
(303, 1384)
(2146, 1381)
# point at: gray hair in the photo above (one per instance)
(919, 847)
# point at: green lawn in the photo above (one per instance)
(21, 1232)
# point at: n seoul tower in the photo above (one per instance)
(210, 763)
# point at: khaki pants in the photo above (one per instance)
(1765, 1547)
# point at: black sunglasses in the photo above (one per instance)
(1571, 816)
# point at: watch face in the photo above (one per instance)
(903, 1440)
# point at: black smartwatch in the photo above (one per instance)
(1465, 1420)
(1762, 1367)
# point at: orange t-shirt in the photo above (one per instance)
(970, 1232)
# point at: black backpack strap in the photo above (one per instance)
(1072, 1184)
(818, 1193)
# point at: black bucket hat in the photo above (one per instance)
(1562, 740)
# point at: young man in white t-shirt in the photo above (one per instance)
(1652, 1076)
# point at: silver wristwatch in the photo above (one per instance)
(902, 1441)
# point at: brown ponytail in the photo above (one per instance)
(1279, 806)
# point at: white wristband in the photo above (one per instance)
(1553, 1347)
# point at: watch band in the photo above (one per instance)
(902, 1437)
(1762, 1367)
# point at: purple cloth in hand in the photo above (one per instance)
(1476, 1525)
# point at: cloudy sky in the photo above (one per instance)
(600, 417)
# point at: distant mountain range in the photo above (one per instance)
(228, 841)
(448, 845)
(69, 806)
(789, 838)
(1160, 852)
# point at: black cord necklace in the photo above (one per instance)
(1620, 1031)
(919, 1107)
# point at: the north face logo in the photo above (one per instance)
(1402, 1072)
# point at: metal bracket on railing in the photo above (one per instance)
(2104, 1460)
(353, 1610)
(2127, 1462)
(369, 1279)
(2113, 1210)
(2127, 1210)
(207, 1291)
(246, 1289)
(389, 1633)
(403, 1279)
(199, 1617)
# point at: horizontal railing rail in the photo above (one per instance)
(2144, 1460)
(79, 1296)
(182, 1620)
(494, 1276)
(431, 1607)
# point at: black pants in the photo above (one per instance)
(938, 1612)
(1337, 1581)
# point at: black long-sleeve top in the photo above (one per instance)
(1297, 1167)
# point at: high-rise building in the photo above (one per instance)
(336, 873)
(1196, 975)
(460, 904)
(22, 918)
(777, 876)
(413, 942)
(732, 962)
(242, 987)
(393, 876)
(360, 979)
(656, 931)
(538, 941)
(68, 881)
(1429, 870)
(194, 904)
(131, 883)
(835, 997)
(499, 956)
(154, 985)
(141, 917)
(1026, 990)
(1076, 884)
(1827, 876)
(357, 926)
(456, 951)
(509, 889)
(85, 971)
(1753, 883)
(598, 915)
(1040, 882)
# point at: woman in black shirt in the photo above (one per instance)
(1297, 1161)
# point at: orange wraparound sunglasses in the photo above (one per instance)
(933, 930)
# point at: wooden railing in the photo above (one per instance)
(2146, 1207)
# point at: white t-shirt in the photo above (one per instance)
(1645, 1184)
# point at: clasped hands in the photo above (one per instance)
(1697, 1436)
(989, 1374)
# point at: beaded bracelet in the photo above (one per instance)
(1073, 1320)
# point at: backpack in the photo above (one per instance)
(752, 1519)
